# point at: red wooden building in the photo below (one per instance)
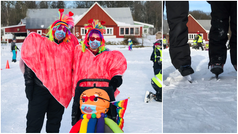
(114, 28)
(119, 21)
(203, 26)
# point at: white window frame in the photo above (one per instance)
(109, 28)
(145, 30)
(120, 31)
(134, 29)
(128, 31)
(39, 32)
(138, 30)
(191, 36)
(83, 31)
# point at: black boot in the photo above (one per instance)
(186, 70)
(158, 97)
(216, 65)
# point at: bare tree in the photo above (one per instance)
(44, 4)
(60, 4)
(53, 4)
(30, 4)
(84, 4)
(200, 15)
(6, 11)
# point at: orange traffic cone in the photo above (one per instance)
(7, 66)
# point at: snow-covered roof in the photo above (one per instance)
(205, 23)
(38, 17)
(122, 14)
(23, 21)
(13, 26)
(144, 24)
(126, 24)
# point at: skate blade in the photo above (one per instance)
(146, 100)
(189, 78)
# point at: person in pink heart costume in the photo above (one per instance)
(48, 73)
(92, 60)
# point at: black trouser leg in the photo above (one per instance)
(157, 67)
(177, 15)
(37, 108)
(200, 45)
(54, 116)
(233, 40)
(218, 32)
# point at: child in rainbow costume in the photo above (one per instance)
(94, 104)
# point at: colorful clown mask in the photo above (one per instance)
(91, 27)
(61, 28)
(95, 101)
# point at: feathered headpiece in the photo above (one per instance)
(94, 25)
(65, 20)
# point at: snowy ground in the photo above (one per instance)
(139, 117)
(206, 105)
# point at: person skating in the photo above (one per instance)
(179, 50)
(16, 48)
(224, 13)
(199, 40)
(130, 43)
(13, 50)
(156, 81)
(48, 74)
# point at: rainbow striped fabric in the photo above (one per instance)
(121, 108)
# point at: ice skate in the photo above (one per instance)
(217, 66)
(148, 96)
(189, 78)
(186, 72)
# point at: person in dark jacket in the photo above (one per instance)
(156, 58)
(13, 49)
(48, 74)
(224, 14)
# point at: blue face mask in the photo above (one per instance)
(59, 34)
(94, 44)
(89, 109)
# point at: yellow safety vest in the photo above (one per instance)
(157, 79)
(130, 43)
(199, 39)
(194, 42)
(164, 41)
(160, 51)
